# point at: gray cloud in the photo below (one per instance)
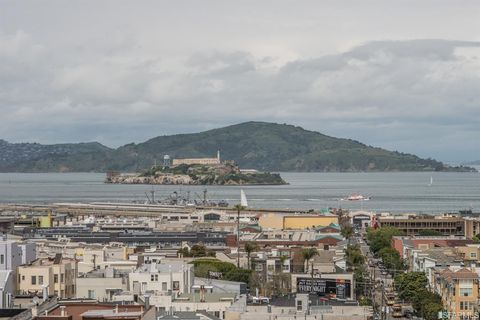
(118, 85)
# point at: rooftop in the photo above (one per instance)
(171, 266)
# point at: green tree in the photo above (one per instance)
(229, 270)
(382, 237)
(412, 287)
(354, 257)
(347, 231)
(431, 310)
(249, 248)
(307, 255)
(429, 233)
(391, 259)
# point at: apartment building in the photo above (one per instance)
(12, 254)
(58, 274)
(168, 276)
(102, 284)
(413, 225)
(459, 291)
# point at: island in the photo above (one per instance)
(204, 171)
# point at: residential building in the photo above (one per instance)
(298, 306)
(58, 274)
(218, 286)
(12, 254)
(167, 276)
(94, 311)
(101, 284)
(404, 244)
(459, 291)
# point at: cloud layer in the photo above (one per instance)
(417, 96)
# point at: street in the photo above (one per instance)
(381, 280)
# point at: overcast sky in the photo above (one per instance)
(404, 75)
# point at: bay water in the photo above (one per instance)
(390, 191)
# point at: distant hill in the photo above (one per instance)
(253, 145)
(473, 163)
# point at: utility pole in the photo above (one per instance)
(382, 308)
(238, 207)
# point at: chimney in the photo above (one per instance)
(62, 311)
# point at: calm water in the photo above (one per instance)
(394, 192)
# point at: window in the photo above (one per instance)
(55, 278)
(466, 292)
(299, 305)
(154, 277)
(473, 255)
(61, 277)
(176, 285)
(164, 286)
(91, 294)
(23, 278)
(40, 279)
(2, 259)
(34, 279)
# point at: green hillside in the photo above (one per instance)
(255, 145)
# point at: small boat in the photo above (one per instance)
(355, 197)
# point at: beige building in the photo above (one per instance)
(305, 221)
(102, 284)
(207, 161)
(459, 291)
(58, 274)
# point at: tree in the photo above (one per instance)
(228, 270)
(412, 287)
(391, 259)
(347, 231)
(381, 238)
(307, 255)
(249, 248)
(429, 233)
(408, 284)
(354, 256)
(197, 250)
(431, 310)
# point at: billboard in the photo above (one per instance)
(338, 288)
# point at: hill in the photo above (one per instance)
(256, 145)
(473, 163)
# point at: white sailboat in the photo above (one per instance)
(431, 181)
(243, 199)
